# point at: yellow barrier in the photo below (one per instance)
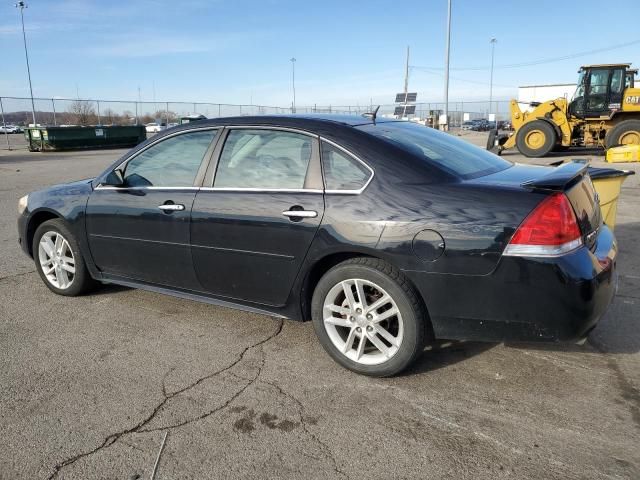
(624, 153)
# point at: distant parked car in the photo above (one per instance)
(10, 129)
(468, 125)
(154, 127)
(481, 126)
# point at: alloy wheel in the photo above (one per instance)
(363, 321)
(56, 260)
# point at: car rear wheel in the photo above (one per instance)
(59, 261)
(536, 139)
(368, 317)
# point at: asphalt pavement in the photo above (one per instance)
(89, 386)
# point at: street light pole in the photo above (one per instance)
(446, 67)
(493, 42)
(21, 5)
(293, 83)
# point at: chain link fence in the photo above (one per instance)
(425, 110)
(62, 111)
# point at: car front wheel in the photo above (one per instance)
(59, 261)
(368, 317)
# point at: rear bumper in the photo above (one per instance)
(525, 299)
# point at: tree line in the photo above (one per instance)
(84, 113)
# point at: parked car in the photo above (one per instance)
(481, 126)
(386, 234)
(10, 129)
(154, 127)
(468, 125)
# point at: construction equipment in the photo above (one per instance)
(604, 112)
(608, 184)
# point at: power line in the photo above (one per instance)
(543, 60)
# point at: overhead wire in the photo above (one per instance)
(539, 61)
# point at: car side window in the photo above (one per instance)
(173, 162)
(341, 171)
(263, 159)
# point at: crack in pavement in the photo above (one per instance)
(114, 437)
(301, 413)
(215, 410)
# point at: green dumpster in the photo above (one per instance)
(192, 118)
(67, 138)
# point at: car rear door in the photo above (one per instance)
(140, 231)
(254, 219)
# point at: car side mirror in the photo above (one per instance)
(114, 179)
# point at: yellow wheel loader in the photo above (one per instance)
(604, 112)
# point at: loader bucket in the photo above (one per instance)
(608, 183)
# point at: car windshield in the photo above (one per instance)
(445, 151)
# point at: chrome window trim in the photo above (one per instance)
(272, 127)
(155, 142)
(254, 190)
(355, 157)
(258, 190)
(109, 187)
(209, 189)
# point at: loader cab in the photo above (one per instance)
(599, 91)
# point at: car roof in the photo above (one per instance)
(305, 121)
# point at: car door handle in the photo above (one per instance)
(300, 213)
(171, 207)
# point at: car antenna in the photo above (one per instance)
(372, 115)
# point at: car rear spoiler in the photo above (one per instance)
(560, 178)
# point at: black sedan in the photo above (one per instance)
(386, 234)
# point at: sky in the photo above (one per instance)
(347, 52)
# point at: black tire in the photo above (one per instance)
(415, 319)
(491, 139)
(544, 128)
(613, 137)
(82, 281)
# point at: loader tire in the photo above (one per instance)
(626, 132)
(536, 139)
(491, 140)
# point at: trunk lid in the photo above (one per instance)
(572, 179)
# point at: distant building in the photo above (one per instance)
(542, 93)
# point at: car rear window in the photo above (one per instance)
(443, 150)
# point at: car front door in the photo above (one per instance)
(140, 229)
(254, 222)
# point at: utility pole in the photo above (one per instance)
(406, 74)
(293, 83)
(406, 81)
(446, 67)
(155, 107)
(493, 42)
(21, 5)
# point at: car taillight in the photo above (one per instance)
(550, 230)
